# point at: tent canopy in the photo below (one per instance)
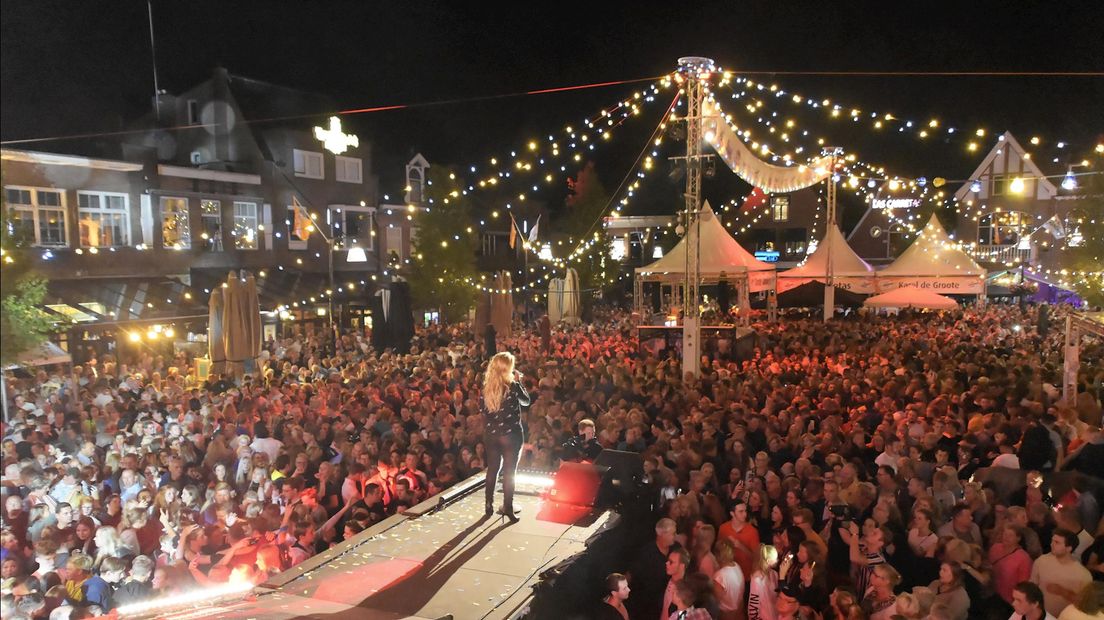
(933, 254)
(719, 252)
(45, 354)
(845, 262)
(911, 297)
(811, 295)
(849, 272)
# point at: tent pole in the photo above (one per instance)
(4, 393)
(1071, 360)
(829, 281)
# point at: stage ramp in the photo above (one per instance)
(451, 562)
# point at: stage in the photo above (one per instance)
(727, 342)
(448, 563)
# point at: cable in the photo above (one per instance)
(935, 73)
(403, 106)
(636, 163)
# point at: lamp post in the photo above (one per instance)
(336, 142)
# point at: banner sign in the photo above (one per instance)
(863, 285)
(886, 204)
(749, 167)
(952, 285)
(760, 281)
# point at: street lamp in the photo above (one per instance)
(336, 142)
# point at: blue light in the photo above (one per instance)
(1070, 182)
(975, 187)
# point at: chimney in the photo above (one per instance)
(164, 108)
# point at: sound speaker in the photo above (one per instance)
(621, 471)
(576, 484)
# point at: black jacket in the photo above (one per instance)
(508, 417)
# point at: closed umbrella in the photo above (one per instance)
(571, 296)
(555, 299)
(508, 302)
(216, 348)
(240, 322)
(502, 304)
(253, 310)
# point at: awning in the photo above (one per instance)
(45, 354)
(911, 297)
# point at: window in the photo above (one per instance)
(998, 185)
(793, 248)
(176, 231)
(193, 112)
(37, 216)
(354, 227)
(780, 208)
(104, 219)
(394, 242)
(1001, 228)
(347, 169)
(210, 212)
(245, 226)
(488, 244)
(308, 164)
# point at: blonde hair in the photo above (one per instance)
(768, 557)
(497, 380)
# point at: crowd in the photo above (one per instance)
(846, 471)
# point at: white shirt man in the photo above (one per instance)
(890, 457)
(1058, 574)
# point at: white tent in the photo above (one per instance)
(719, 254)
(45, 354)
(849, 272)
(911, 297)
(933, 262)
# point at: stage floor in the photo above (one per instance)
(455, 561)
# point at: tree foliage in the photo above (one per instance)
(586, 204)
(443, 267)
(22, 325)
(1086, 224)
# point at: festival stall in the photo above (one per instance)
(832, 258)
(934, 262)
(911, 297)
(720, 257)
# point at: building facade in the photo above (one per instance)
(208, 184)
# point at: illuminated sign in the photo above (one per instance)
(895, 203)
(767, 257)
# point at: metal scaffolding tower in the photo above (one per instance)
(696, 72)
(829, 275)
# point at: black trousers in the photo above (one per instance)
(502, 455)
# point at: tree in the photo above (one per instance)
(1084, 250)
(585, 207)
(22, 325)
(443, 273)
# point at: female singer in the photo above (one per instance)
(503, 399)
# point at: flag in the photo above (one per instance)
(533, 231)
(1054, 227)
(755, 199)
(513, 232)
(300, 225)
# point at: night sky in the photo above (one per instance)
(78, 67)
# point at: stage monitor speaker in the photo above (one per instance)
(621, 471)
(576, 484)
